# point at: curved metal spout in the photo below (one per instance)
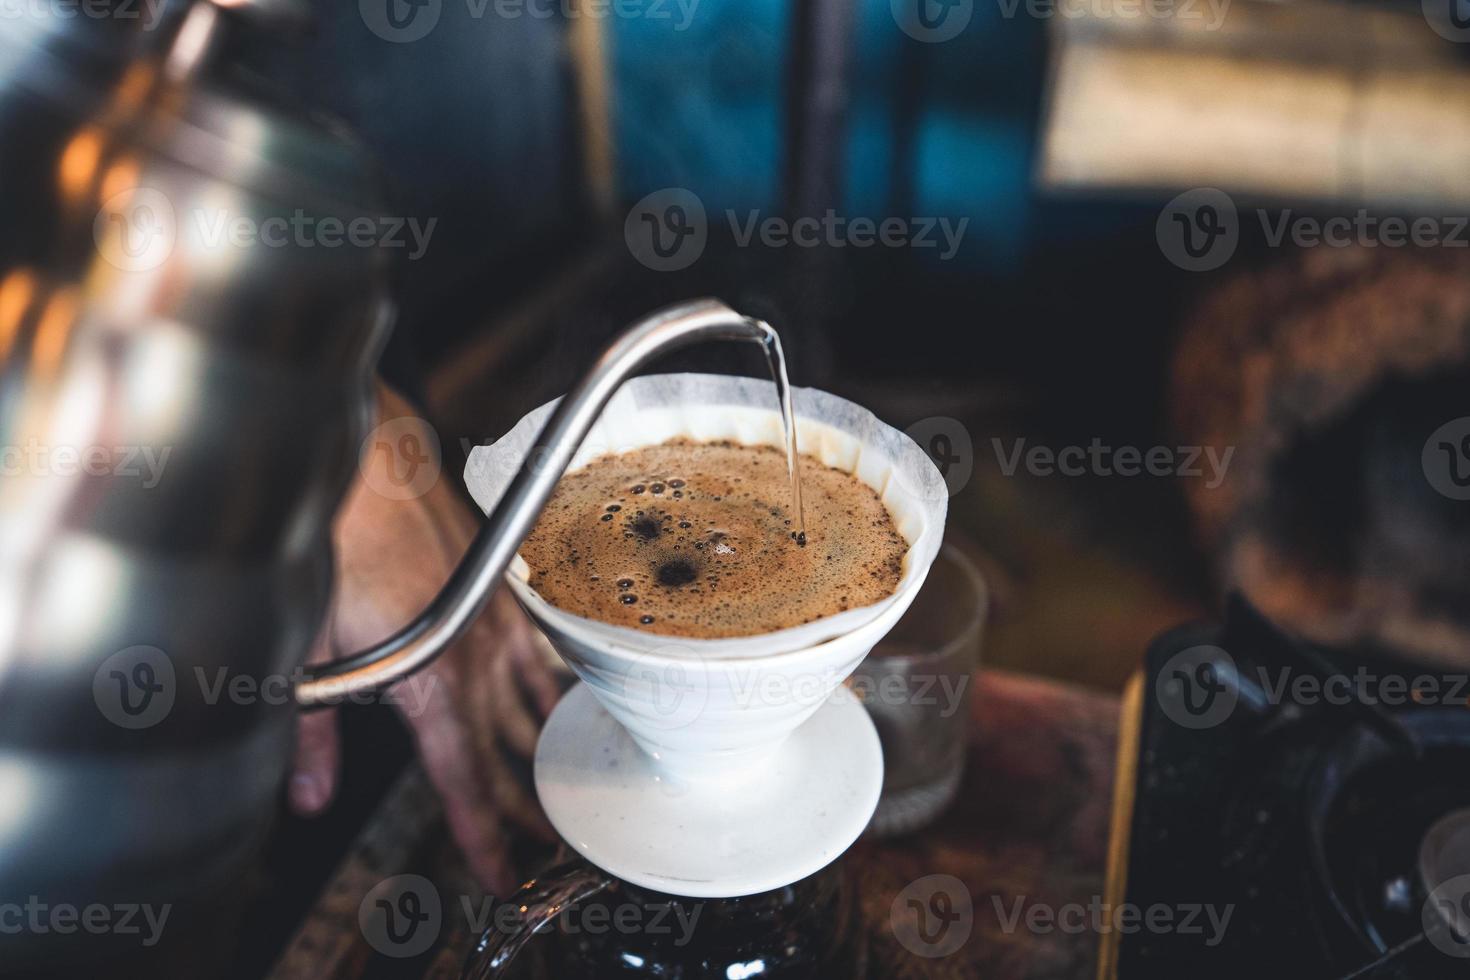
(477, 574)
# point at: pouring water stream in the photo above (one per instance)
(776, 360)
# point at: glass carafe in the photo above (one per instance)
(605, 927)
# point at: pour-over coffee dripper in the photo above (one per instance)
(711, 768)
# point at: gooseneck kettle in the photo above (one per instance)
(180, 417)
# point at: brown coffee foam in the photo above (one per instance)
(734, 570)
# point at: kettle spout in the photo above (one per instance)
(490, 553)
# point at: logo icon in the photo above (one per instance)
(1193, 690)
(932, 21)
(400, 21)
(1446, 459)
(667, 688)
(1198, 230)
(1446, 917)
(136, 229)
(401, 458)
(667, 230)
(933, 916)
(134, 688)
(401, 916)
(1450, 19)
(947, 444)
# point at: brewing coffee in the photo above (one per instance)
(696, 539)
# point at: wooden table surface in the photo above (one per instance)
(1030, 827)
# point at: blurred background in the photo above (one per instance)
(533, 140)
(1229, 231)
(1034, 291)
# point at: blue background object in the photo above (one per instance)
(703, 108)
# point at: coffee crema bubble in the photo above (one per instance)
(700, 541)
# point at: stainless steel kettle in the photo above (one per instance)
(180, 417)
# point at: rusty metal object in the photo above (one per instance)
(1328, 373)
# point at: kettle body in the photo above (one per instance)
(185, 380)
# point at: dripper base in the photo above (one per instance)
(709, 837)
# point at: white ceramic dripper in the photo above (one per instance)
(714, 720)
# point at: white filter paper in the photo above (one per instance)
(707, 407)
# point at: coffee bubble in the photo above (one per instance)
(696, 539)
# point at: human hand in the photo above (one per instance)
(482, 698)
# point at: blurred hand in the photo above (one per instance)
(485, 696)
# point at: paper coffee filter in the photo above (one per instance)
(653, 409)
